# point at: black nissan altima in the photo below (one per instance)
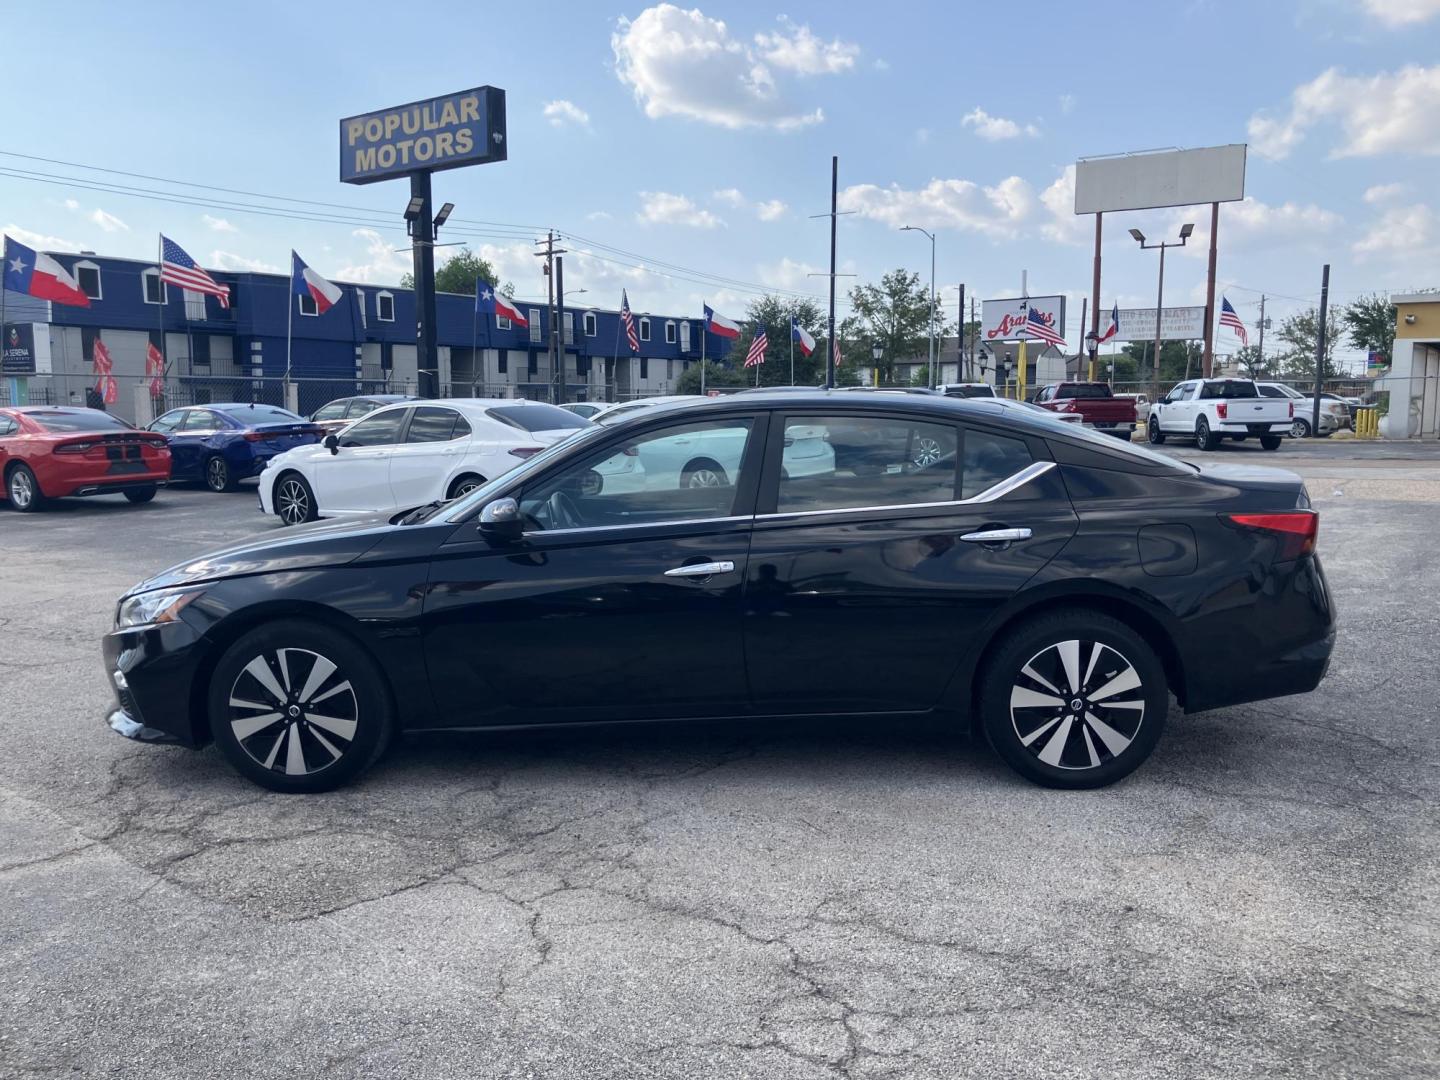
(759, 556)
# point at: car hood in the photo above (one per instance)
(304, 547)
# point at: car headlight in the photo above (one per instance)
(148, 608)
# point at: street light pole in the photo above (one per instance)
(1185, 231)
(930, 322)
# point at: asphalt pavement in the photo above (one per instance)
(816, 899)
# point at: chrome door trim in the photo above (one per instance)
(995, 491)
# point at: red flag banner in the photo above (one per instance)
(105, 385)
(155, 368)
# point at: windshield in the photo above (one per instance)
(260, 414)
(79, 420)
(537, 417)
(462, 507)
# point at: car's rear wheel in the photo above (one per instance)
(1205, 439)
(1300, 429)
(22, 489)
(295, 500)
(1271, 442)
(141, 494)
(702, 474)
(299, 707)
(1153, 432)
(463, 485)
(1074, 699)
(217, 474)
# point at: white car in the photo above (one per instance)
(704, 458)
(408, 454)
(1335, 411)
(587, 409)
(630, 408)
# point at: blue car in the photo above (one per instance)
(222, 444)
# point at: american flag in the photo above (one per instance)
(629, 321)
(756, 355)
(1230, 319)
(180, 269)
(1036, 326)
(835, 350)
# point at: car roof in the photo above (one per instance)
(233, 406)
(32, 409)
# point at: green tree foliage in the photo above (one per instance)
(1178, 360)
(773, 313)
(1250, 363)
(716, 377)
(458, 274)
(895, 313)
(1299, 333)
(1370, 324)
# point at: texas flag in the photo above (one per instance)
(306, 282)
(490, 301)
(1112, 329)
(801, 338)
(35, 274)
(719, 325)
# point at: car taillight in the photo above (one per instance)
(74, 447)
(256, 436)
(526, 451)
(1297, 530)
(1221, 410)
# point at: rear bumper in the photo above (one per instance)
(1231, 427)
(152, 672)
(61, 483)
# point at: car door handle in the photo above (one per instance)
(996, 536)
(702, 569)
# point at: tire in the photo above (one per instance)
(1205, 439)
(702, 473)
(263, 707)
(1123, 436)
(1271, 442)
(294, 499)
(217, 474)
(23, 490)
(1153, 432)
(1042, 735)
(1300, 429)
(463, 485)
(141, 494)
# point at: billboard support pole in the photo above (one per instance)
(1094, 298)
(1159, 307)
(830, 372)
(427, 357)
(1208, 362)
(1320, 348)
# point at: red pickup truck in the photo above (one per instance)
(1095, 402)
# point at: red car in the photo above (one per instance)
(47, 452)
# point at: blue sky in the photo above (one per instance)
(701, 138)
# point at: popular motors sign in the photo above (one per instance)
(1176, 324)
(1003, 320)
(447, 132)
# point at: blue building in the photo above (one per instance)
(365, 342)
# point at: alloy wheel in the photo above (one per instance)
(704, 478)
(293, 711)
(1077, 705)
(1299, 429)
(465, 487)
(22, 491)
(927, 452)
(292, 502)
(217, 475)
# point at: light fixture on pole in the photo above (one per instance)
(930, 322)
(413, 209)
(877, 353)
(444, 214)
(1185, 231)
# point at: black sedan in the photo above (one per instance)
(848, 554)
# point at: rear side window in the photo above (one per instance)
(169, 422)
(538, 417)
(79, 420)
(431, 424)
(847, 462)
(334, 411)
(1270, 391)
(989, 459)
(360, 407)
(1084, 390)
(1227, 389)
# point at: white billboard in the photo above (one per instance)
(1153, 179)
(1002, 320)
(1176, 324)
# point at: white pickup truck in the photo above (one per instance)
(1209, 410)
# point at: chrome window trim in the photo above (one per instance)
(638, 525)
(1017, 480)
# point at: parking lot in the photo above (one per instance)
(814, 899)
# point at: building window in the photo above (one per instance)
(644, 367)
(503, 365)
(685, 336)
(590, 324)
(644, 329)
(533, 368)
(154, 289)
(87, 276)
(307, 305)
(582, 366)
(535, 324)
(670, 370)
(385, 306)
(502, 322)
(669, 333)
(569, 323)
(360, 303)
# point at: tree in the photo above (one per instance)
(1249, 362)
(1370, 325)
(773, 314)
(458, 274)
(1300, 332)
(716, 375)
(1178, 360)
(897, 315)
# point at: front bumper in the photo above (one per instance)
(152, 671)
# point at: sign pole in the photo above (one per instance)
(702, 356)
(559, 332)
(830, 324)
(1094, 298)
(1159, 307)
(1320, 348)
(427, 357)
(1208, 362)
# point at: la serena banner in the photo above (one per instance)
(447, 132)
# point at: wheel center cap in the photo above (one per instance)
(293, 711)
(1076, 704)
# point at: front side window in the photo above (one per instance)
(684, 472)
(360, 407)
(334, 411)
(381, 429)
(431, 424)
(169, 422)
(846, 462)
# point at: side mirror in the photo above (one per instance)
(332, 443)
(500, 520)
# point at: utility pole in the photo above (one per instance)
(1260, 363)
(1320, 347)
(974, 341)
(830, 322)
(960, 341)
(427, 354)
(556, 334)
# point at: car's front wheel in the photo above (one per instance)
(299, 707)
(1153, 432)
(1074, 699)
(22, 489)
(295, 500)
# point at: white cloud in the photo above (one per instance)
(1384, 192)
(40, 241)
(1064, 226)
(733, 196)
(995, 128)
(880, 64)
(109, 222)
(790, 275)
(1067, 104)
(383, 266)
(1390, 112)
(228, 260)
(684, 63)
(1252, 225)
(598, 215)
(996, 211)
(72, 204)
(1402, 12)
(664, 208)
(770, 210)
(562, 112)
(1401, 231)
(218, 224)
(796, 49)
